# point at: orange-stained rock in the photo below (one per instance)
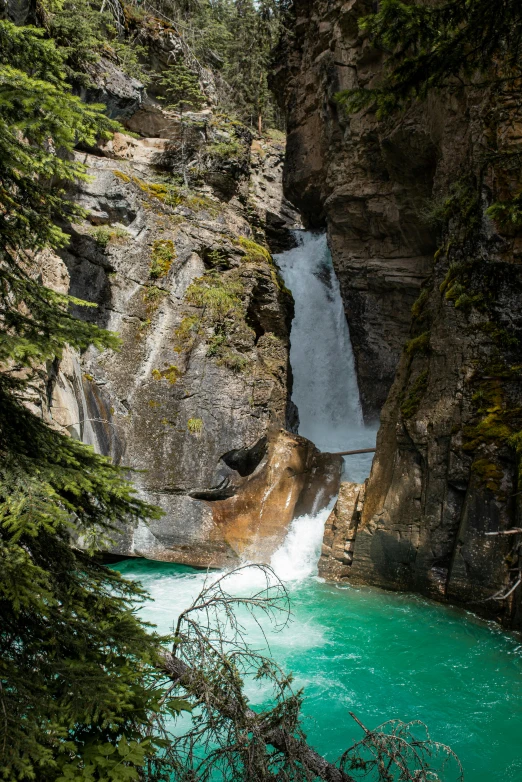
(292, 479)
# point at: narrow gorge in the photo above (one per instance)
(434, 317)
(260, 383)
(196, 397)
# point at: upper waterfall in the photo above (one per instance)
(325, 386)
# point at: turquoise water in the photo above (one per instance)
(383, 655)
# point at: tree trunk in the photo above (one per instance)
(278, 738)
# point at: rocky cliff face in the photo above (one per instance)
(367, 184)
(442, 504)
(197, 398)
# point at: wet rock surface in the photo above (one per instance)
(445, 484)
(340, 533)
(258, 492)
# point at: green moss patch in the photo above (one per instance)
(254, 252)
(418, 307)
(186, 333)
(163, 254)
(172, 374)
(418, 344)
(104, 234)
(488, 473)
(195, 426)
(218, 295)
(233, 360)
(412, 402)
(152, 297)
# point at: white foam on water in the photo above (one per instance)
(326, 393)
(296, 559)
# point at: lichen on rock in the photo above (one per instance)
(203, 368)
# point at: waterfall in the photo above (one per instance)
(297, 557)
(325, 386)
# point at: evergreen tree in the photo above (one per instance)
(75, 663)
(236, 39)
(256, 28)
(181, 88)
(182, 91)
(83, 31)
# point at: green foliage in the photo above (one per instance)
(255, 30)
(225, 150)
(195, 426)
(181, 88)
(163, 191)
(163, 253)
(235, 39)
(103, 234)
(461, 207)
(37, 111)
(219, 295)
(508, 214)
(79, 32)
(76, 665)
(217, 258)
(433, 46)
(217, 342)
(82, 34)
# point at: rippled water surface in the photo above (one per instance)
(383, 655)
(377, 654)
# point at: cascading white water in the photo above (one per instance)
(296, 558)
(325, 386)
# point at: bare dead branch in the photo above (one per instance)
(514, 531)
(181, 674)
(209, 663)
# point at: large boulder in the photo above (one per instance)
(121, 94)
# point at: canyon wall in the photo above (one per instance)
(368, 184)
(442, 504)
(196, 402)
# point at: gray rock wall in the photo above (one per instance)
(204, 320)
